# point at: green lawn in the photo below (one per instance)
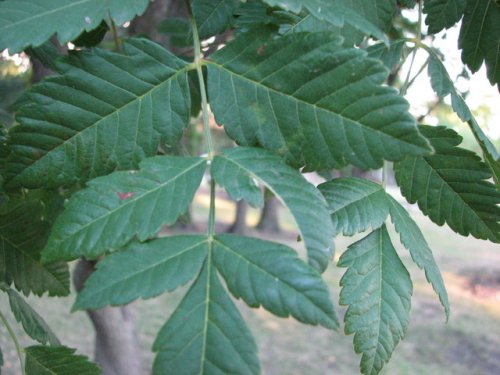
(468, 344)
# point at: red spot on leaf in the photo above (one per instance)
(123, 196)
(260, 50)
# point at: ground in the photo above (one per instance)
(468, 344)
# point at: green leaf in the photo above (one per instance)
(389, 56)
(115, 208)
(33, 324)
(105, 111)
(443, 14)
(22, 237)
(213, 16)
(206, 334)
(333, 112)
(443, 85)
(271, 275)
(143, 270)
(93, 37)
(239, 183)
(377, 288)
(1, 360)
(337, 12)
(355, 204)
(24, 23)
(490, 153)
(304, 201)
(179, 31)
(479, 37)
(60, 360)
(414, 241)
(451, 186)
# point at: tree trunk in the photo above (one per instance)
(116, 344)
(269, 219)
(239, 225)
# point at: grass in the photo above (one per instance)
(468, 344)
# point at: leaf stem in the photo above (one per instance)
(198, 61)
(12, 335)
(116, 38)
(404, 88)
(211, 214)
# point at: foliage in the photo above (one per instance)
(300, 87)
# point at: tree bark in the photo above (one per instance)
(239, 225)
(116, 343)
(269, 219)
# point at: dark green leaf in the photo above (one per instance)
(451, 186)
(480, 37)
(47, 53)
(206, 334)
(270, 274)
(115, 208)
(355, 204)
(304, 201)
(377, 288)
(106, 111)
(337, 12)
(22, 237)
(143, 270)
(33, 324)
(213, 16)
(179, 30)
(389, 56)
(414, 241)
(407, 3)
(443, 14)
(239, 183)
(490, 153)
(26, 23)
(443, 85)
(45, 360)
(333, 112)
(93, 37)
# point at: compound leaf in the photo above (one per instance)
(443, 14)
(271, 275)
(26, 23)
(355, 204)
(479, 37)
(206, 334)
(359, 15)
(377, 288)
(333, 112)
(105, 111)
(115, 208)
(22, 237)
(57, 360)
(304, 201)
(143, 270)
(451, 186)
(443, 85)
(213, 17)
(413, 239)
(33, 324)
